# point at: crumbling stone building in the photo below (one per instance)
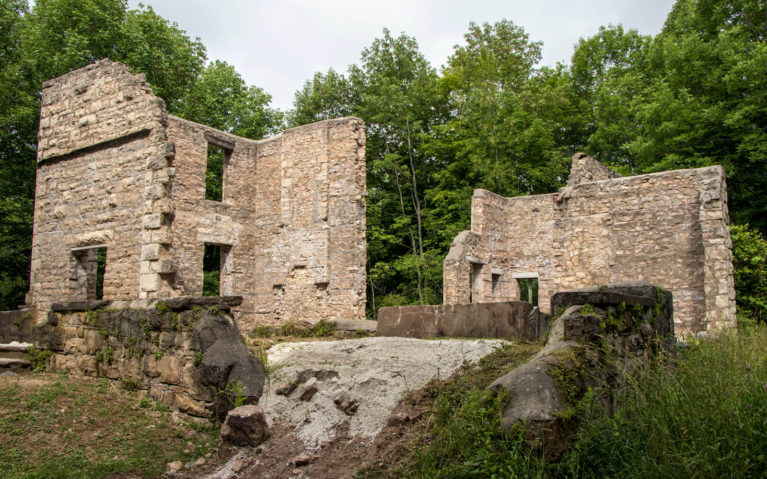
(668, 228)
(116, 171)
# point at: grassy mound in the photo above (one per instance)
(701, 413)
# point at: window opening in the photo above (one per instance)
(214, 172)
(528, 290)
(496, 282)
(474, 281)
(90, 270)
(101, 268)
(211, 270)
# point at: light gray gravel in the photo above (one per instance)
(375, 372)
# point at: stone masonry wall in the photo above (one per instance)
(669, 228)
(291, 220)
(182, 353)
(116, 171)
(99, 125)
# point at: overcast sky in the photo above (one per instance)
(279, 44)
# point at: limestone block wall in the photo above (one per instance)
(668, 228)
(99, 126)
(182, 353)
(116, 171)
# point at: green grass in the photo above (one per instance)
(702, 413)
(55, 426)
(465, 438)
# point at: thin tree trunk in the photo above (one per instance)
(410, 228)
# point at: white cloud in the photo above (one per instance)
(278, 45)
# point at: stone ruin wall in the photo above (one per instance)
(114, 169)
(292, 218)
(98, 127)
(668, 228)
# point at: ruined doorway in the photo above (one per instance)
(90, 269)
(214, 259)
(528, 288)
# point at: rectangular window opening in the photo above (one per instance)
(217, 159)
(475, 275)
(101, 268)
(528, 290)
(90, 270)
(496, 283)
(211, 270)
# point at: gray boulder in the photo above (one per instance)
(226, 360)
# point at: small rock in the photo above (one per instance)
(9, 374)
(199, 462)
(208, 455)
(346, 404)
(297, 472)
(245, 426)
(303, 460)
(241, 464)
(398, 419)
(174, 466)
(286, 388)
(309, 392)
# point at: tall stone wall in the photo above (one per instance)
(116, 171)
(98, 127)
(291, 220)
(670, 229)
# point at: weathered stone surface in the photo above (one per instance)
(189, 302)
(184, 356)
(545, 390)
(116, 171)
(669, 228)
(227, 360)
(354, 325)
(245, 426)
(586, 169)
(359, 381)
(513, 319)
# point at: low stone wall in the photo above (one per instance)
(18, 325)
(182, 351)
(512, 319)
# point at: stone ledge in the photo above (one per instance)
(185, 302)
(76, 306)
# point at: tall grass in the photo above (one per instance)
(704, 415)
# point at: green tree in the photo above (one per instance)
(221, 99)
(400, 103)
(325, 96)
(749, 260)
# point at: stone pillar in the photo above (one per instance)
(718, 280)
(158, 268)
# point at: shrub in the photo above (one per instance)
(749, 260)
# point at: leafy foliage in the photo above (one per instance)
(749, 260)
(54, 37)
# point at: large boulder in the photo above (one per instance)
(227, 362)
(598, 335)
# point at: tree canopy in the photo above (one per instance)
(693, 95)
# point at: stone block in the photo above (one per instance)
(150, 252)
(152, 221)
(245, 426)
